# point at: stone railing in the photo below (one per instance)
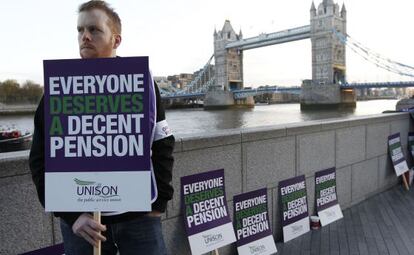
(252, 159)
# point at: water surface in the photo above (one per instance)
(189, 121)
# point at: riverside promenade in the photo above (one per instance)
(257, 158)
(382, 224)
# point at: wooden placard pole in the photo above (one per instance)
(215, 252)
(97, 250)
(405, 181)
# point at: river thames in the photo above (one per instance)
(196, 120)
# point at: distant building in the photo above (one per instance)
(162, 82)
(180, 81)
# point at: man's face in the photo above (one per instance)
(95, 37)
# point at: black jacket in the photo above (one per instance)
(162, 161)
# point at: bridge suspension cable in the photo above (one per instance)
(200, 84)
(374, 57)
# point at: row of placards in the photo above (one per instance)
(209, 227)
(396, 152)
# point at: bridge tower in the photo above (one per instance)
(328, 59)
(228, 71)
(228, 62)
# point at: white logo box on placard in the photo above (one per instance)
(296, 229)
(212, 239)
(330, 215)
(401, 168)
(263, 246)
(98, 191)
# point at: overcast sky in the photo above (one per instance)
(178, 35)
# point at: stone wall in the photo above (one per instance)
(252, 159)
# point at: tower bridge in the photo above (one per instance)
(327, 87)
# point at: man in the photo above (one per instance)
(99, 35)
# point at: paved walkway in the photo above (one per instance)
(383, 224)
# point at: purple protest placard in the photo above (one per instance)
(98, 120)
(207, 221)
(396, 154)
(51, 250)
(294, 207)
(326, 197)
(251, 223)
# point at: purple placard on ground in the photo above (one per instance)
(51, 250)
(69, 95)
(396, 154)
(251, 217)
(206, 218)
(294, 207)
(195, 190)
(99, 115)
(293, 199)
(325, 188)
(326, 197)
(394, 143)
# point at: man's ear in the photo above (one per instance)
(117, 41)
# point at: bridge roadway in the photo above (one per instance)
(288, 35)
(372, 85)
(242, 93)
(383, 224)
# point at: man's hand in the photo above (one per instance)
(154, 214)
(85, 226)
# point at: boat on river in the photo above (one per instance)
(14, 139)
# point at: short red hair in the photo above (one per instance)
(115, 21)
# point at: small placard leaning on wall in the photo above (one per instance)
(326, 196)
(294, 207)
(396, 154)
(251, 224)
(206, 218)
(98, 121)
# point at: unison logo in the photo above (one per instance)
(296, 229)
(90, 188)
(212, 239)
(257, 249)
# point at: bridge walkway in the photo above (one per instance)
(382, 224)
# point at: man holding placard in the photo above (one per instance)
(99, 36)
